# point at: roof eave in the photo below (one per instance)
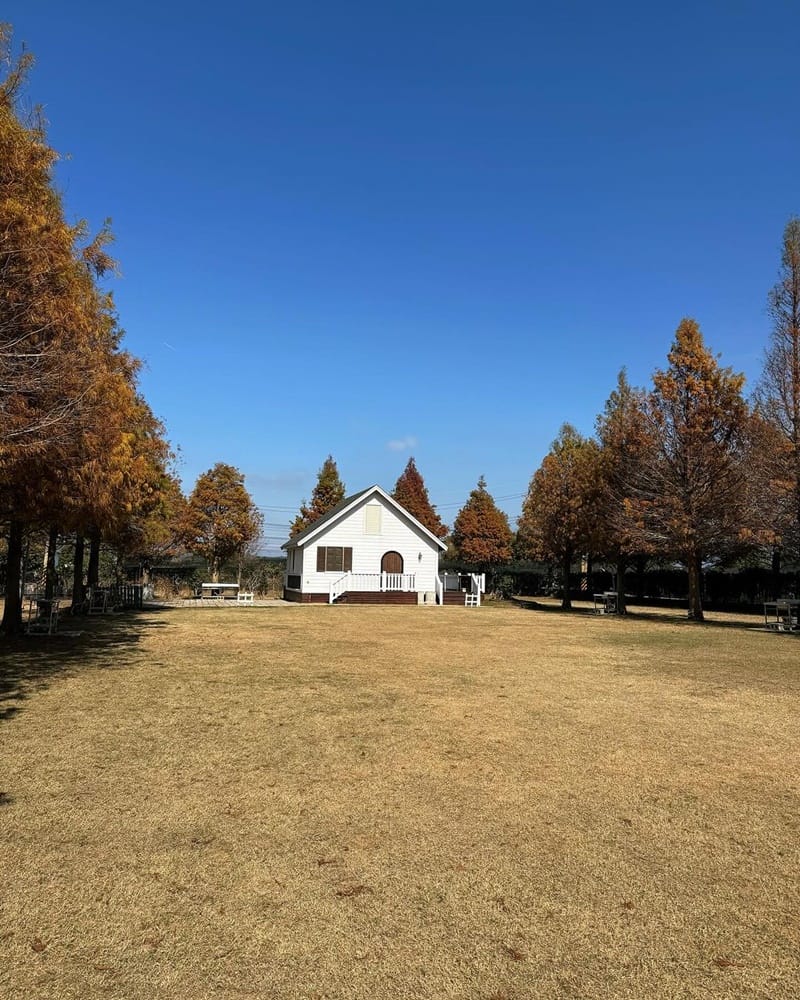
(312, 531)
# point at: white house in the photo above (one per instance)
(367, 550)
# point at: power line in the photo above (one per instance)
(460, 503)
(454, 503)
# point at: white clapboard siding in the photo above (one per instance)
(420, 555)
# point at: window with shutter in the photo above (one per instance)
(334, 559)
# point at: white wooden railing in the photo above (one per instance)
(372, 582)
(452, 582)
(338, 587)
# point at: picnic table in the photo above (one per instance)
(782, 615)
(605, 603)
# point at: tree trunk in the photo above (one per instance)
(12, 612)
(776, 572)
(78, 591)
(50, 572)
(214, 567)
(93, 569)
(641, 565)
(566, 596)
(695, 599)
(622, 607)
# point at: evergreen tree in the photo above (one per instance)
(328, 492)
(410, 492)
(481, 534)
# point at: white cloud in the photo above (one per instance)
(401, 444)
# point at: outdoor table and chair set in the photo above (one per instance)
(606, 603)
(224, 591)
(782, 615)
(43, 612)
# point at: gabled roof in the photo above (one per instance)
(349, 503)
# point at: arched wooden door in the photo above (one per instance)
(392, 562)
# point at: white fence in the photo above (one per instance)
(372, 582)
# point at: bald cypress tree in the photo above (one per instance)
(328, 492)
(689, 497)
(623, 446)
(559, 514)
(777, 400)
(53, 343)
(481, 533)
(220, 518)
(410, 492)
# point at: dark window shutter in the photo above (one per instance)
(320, 558)
(348, 560)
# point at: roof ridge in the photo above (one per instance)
(348, 502)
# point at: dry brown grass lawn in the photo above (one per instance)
(399, 802)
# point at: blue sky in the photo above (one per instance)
(440, 229)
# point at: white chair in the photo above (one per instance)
(42, 617)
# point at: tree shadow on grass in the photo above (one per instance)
(31, 663)
(649, 614)
(748, 622)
